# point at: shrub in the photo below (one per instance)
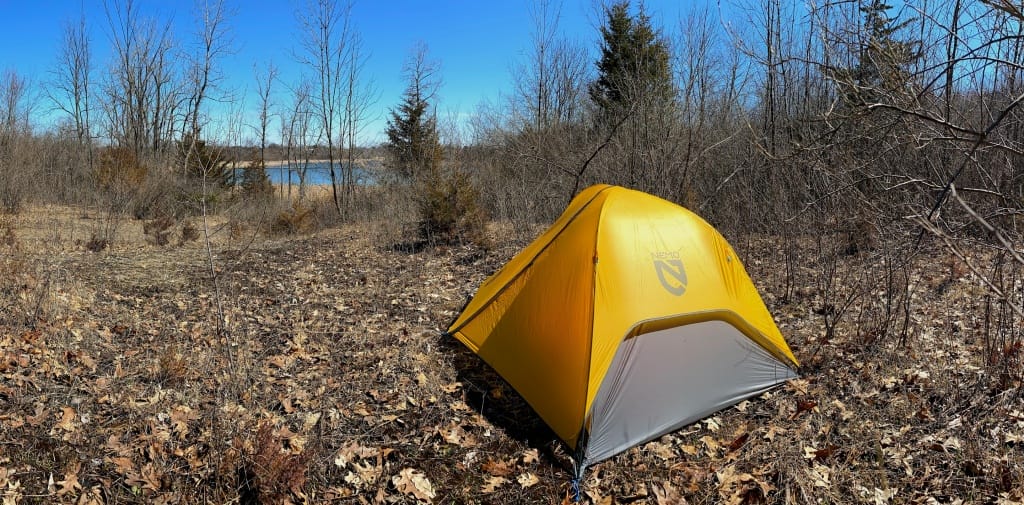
(118, 168)
(189, 233)
(171, 367)
(862, 238)
(255, 181)
(237, 229)
(96, 243)
(7, 237)
(160, 195)
(449, 210)
(274, 474)
(13, 192)
(295, 219)
(158, 231)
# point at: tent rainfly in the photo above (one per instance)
(629, 318)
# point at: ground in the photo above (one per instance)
(313, 369)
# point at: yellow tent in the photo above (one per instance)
(627, 319)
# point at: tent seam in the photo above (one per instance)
(528, 265)
(593, 316)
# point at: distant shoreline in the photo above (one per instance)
(273, 163)
(284, 163)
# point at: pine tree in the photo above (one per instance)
(634, 67)
(413, 143)
(882, 69)
(202, 160)
(255, 181)
(446, 201)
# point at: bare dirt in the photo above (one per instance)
(313, 369)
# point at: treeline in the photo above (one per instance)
(785, 114)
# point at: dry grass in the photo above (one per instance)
(325, 379)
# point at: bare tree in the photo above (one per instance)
(213, 43)
(69, 90)
(299, 134)
(140, 91)
(325, 26)
(264, 83)
(16, 106)
(360, 95)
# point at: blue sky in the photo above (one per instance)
(477, 43)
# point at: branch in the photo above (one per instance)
(988, 226)
(969, 156)
(607, 140)
(925, 116)
(927, 224)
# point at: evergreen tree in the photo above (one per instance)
(202, 160)
(255, 181)
(447, 202)
(883, 66)
(413, 143)
(634, 67)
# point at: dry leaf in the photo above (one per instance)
(180, 417)
(668, 495)
(738, 488)
(122, 464)
(530, 456)
(711, 444)
(527, 479)
(821, 476)
(738, 442)
(663, 451)
(70, 482)
(492, 484)
(146, 478)
(844, 413)
(413, 482)
(823, 454)
(799, 385)
(597, 498)
(804, 406)
(12, 493)
(773, 431)
(497, 468)
(67, 421)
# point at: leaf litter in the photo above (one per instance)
(327, 379)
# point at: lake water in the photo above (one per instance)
(316, 174)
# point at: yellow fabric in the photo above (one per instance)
(551, 320)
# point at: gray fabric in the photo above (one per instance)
(661, 381)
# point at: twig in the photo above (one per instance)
(988, 226)
(929, 226)
(607, 140)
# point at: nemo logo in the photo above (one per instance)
(670, 272)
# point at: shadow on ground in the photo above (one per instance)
(489, 394)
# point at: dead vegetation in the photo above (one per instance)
(330, 382)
